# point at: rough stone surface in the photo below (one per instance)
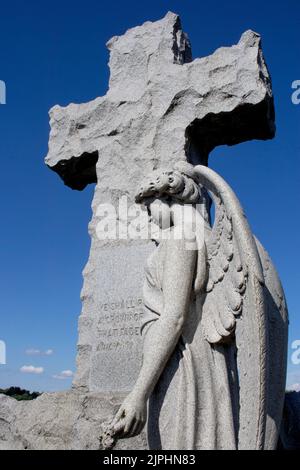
(64, 421)
(71, 420)
(161, 107)
(215, 325)
(117, 317)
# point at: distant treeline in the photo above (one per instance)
(19, 393)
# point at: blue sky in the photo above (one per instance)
(54, 53)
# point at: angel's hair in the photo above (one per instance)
(179, 183)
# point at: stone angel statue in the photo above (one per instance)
(215, 323)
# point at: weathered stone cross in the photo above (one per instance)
(161, 107)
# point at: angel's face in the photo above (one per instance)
(160, 212)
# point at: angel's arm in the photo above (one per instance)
(162, 337)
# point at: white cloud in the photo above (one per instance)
(31, 370)
(32, 352)
(39, 352)
(49, 352)
(294, 387)
(293, 380)
(65, 374)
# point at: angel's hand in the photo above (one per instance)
(131, 417)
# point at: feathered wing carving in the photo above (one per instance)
(231, 255)
(227, 280)
(236, 309)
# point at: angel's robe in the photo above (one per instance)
(195, 402)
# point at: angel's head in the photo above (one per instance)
(166, 193)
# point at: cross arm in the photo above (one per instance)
(222, 99)
(77, 133)
(238, 104)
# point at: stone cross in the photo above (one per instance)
(161, 107)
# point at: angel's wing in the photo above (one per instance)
(227, 280)
(236, 309)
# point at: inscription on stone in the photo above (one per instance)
(118, 322)
(117, 311)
